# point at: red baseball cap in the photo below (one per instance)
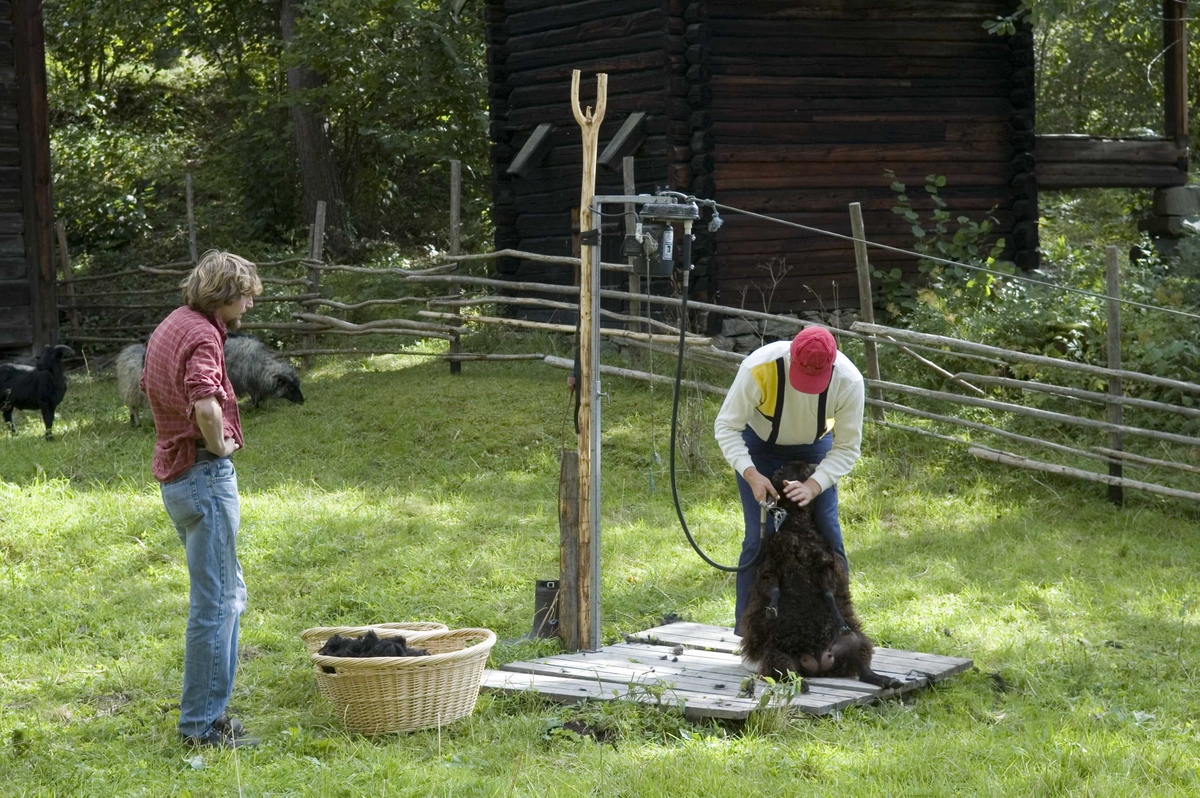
(813, 353)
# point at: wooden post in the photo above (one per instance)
(635, 306)
(32, 178)
(1175, 71)
(455, 247)
(1115, 410)
(588, 387)
(316, 252)
(191, 219)
(64, 261)
(568, 565)
(866, 306)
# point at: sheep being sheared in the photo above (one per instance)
(799, 618)
(255, 372)
(38, 387)
(130, 362)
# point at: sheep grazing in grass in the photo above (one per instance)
(130, 362)
(38, 387)
(369, 645)
(799, 618)
(256, 373)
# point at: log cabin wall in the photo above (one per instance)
(28, 309)
(792, 109)
(811, 102)
(533, 45)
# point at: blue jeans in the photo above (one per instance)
(203, 506)
(767, 459)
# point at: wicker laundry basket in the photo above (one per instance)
(383, 695)
(410, 630)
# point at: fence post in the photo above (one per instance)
(316, 252)
(64, 260)
(1115, 414)
(191, 219)
(568, 565)
(866, 310)
(635, 282)
(455, 247)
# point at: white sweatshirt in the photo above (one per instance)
(751, 401)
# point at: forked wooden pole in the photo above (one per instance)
(588, 387)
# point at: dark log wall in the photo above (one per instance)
(808, 104)
(533, 45)
(788, 108)
(16, 296)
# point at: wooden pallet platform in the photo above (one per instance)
(696, 667)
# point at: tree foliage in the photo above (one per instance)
(143, 91)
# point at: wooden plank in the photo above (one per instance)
(833, 66)
(855, 10)
(532, 152)
(735, 45)
(1090, 476)
(568, 523)
(621, 25)
(1071, 148)
(829, 699)
(1061, 176)
(614, 66)
(1022, 357)
(626, 141)
(728, 670)
(571, 691)
(565, 15)
(919, 152)
(736, 132)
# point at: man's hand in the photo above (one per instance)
(802, 492)
(759, 484)
(231, 446)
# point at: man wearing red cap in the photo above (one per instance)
(791, 400)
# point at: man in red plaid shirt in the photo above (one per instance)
(197, 427)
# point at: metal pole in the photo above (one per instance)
(597, 393)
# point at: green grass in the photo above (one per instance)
(397, 493)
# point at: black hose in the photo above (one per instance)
(758, 554)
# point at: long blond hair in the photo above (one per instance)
(218, 279)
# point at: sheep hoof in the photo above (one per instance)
(49, 436)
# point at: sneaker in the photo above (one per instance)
(223, 734)
(228, 725)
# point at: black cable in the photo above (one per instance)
(758, 554)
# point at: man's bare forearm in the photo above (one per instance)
(211, 422)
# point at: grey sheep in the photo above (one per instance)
(38, 387)
(130, 363)
(256, 373)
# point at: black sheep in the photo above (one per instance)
(369, 645)
(799, 618)
(38, 387)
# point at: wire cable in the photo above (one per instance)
(762, 549)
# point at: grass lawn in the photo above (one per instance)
(397, 492)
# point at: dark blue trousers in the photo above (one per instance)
(767, 459)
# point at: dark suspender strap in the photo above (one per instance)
(780, 391)
(822, 421)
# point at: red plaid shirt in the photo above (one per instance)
(185, 362)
